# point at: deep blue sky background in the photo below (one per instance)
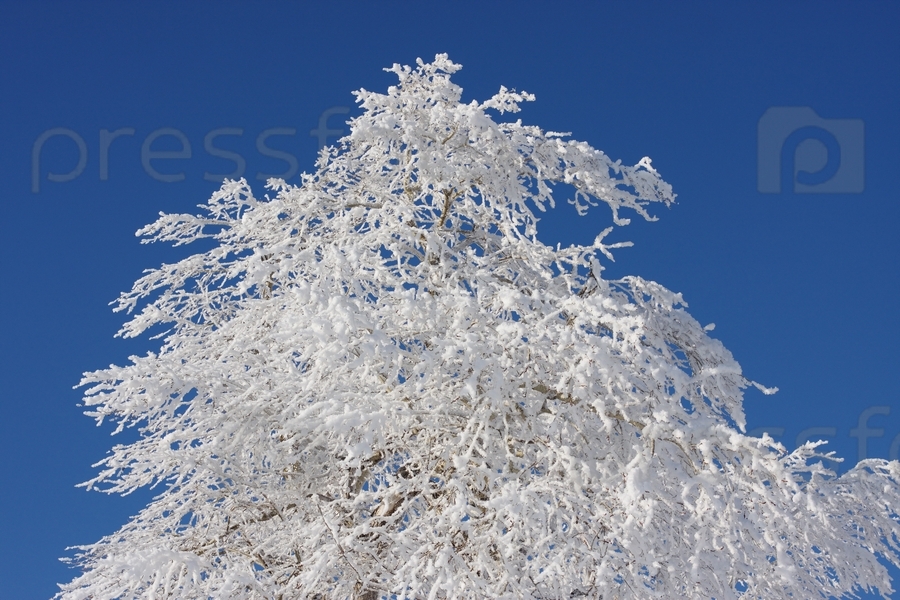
(803, 288)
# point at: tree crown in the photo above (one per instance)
(380, 382)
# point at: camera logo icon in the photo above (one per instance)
(800, 152)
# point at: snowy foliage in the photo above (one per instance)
(379, 384)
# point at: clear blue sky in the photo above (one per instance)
(803, 287)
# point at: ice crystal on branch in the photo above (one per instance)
(380, 384)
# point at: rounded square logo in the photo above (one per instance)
(800, 152)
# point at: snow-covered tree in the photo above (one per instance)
(380, 384)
